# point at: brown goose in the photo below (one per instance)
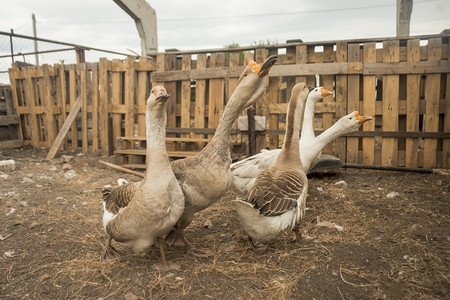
(137, 214)
(206, 177)
(277, 199)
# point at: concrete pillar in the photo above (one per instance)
(145, 18)
(404, 10)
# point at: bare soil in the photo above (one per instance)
(51, 239)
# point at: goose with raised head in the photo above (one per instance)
(277, 199)
(137, 214)
(206, 177)
(245, 171)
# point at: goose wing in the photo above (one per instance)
(276, 192)
(118, 197)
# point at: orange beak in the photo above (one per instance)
(263, 68)
(362, 119)
(325, 92)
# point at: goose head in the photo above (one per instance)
(157, 100)
(318, 93)
(352, 121)
(252, 82)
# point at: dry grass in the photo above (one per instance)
(393, 248)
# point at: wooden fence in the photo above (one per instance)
(403, 83)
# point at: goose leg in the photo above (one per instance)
(110, 251)
(257, 246)
(204, 253)
(165, 265)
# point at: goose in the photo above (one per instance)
(245, 171)
(277, 199)
(206, 177)
(136, 214)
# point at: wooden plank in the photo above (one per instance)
(116, 94)
(103, 106)
(273, 98)
(95, 109)
(446, 142)
(432, 93)
(61, 98)
(30, 104)
(84, 117)
(72, 99)
(389, 147)
(130, 92)
(119, 168)
(65, 128)
(186, 95)
(200, 95)
(412, 105)
(341, 99)
(327, 83)
(353, 91)
(142, 92)
(15, 99)
(369, 85)
(6, 120)
(216, 92)
(49, 103)
(232, 83)
(261, 106)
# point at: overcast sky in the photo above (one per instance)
(200, 24)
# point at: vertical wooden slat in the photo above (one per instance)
(353, 88)
(200, 90)
(103, 105)
(31, 103)
(327, 118)
(446, 142)
(261, 105)
(368, 143)
(142, 91)
(232, 83)
(432, 93)
(389, 147)
(186, 96)
(216, 92)
(62, 101)
(273, 98)
(72, 99)
(130, 86)
(49, 105)
(95, 108)
(412, 104)
(341, 98)
(116, 94)
(170, 64)
(15, 98)
(84, 117)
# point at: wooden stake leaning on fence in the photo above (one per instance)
(121, 168)
(65, 128)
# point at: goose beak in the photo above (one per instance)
(263, 68)
(362, 119)
(325, 92)
(163, 97)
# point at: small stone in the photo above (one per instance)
(67, 167)
(392, 195)
(13, 210)
(67, 158)
(3, 175)
(341, 184)
(38, 185)
(8, 254)
(70, 174)
(207, 224)
(319, 188)
(53, 169)
(7, 165)
(324, 227)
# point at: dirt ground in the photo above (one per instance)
(51, 239)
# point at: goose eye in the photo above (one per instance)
(245, 75)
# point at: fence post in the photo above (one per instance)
(104, 101)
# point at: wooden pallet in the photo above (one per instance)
(9, 122)
(131, 151)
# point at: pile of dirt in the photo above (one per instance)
(387, 236)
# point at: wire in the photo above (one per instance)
(245, 16)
